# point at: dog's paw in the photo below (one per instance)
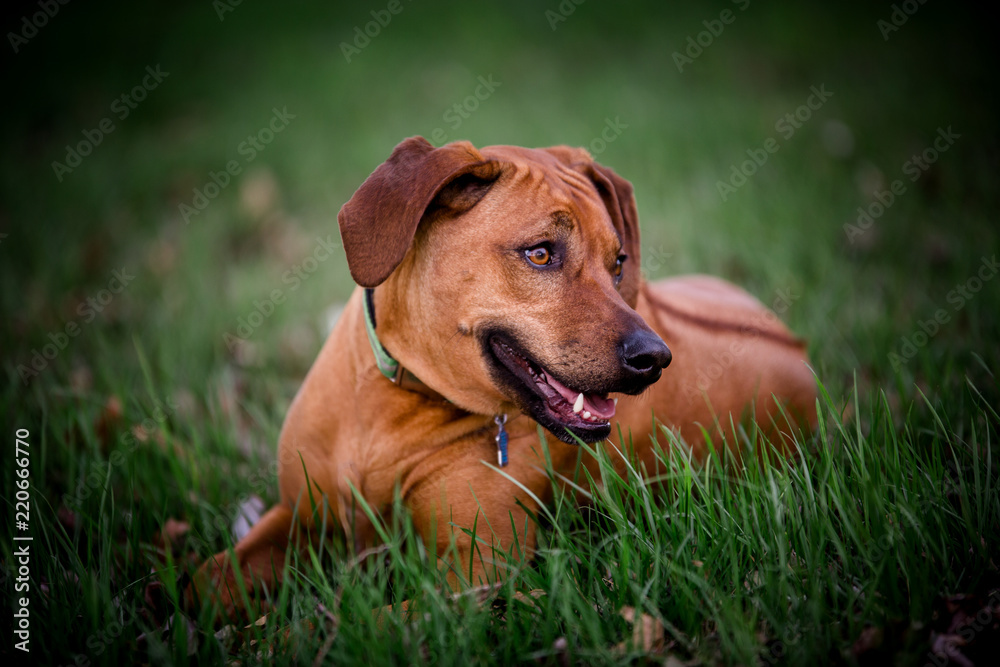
(216, 585)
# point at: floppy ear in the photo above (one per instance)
(620, 201)
(378, 223)
(618, 198)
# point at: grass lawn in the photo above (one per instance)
(162, 300)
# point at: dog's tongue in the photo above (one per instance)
(601, 407)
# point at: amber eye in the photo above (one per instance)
(539, 255)
(618, 266)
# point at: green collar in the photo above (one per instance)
(389, 366)
(405, 379)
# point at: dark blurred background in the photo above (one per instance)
(169, 265)
(677, 120)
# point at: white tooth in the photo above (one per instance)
(586, 414)
(616, 401)
(578, 405)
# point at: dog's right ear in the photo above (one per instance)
(619, 199)
(378, 223)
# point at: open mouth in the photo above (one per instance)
(552, 404)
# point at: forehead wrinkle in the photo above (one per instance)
(586, 201)
(542, 204)
(559, 178)
(575, 196)
(538, 183)
(611, 245)
(571, 183)
(603, 238)
(562, 220)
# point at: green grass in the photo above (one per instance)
(890, 510)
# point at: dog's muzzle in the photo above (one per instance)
(643, 357)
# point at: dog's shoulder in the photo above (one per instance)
(712, 303)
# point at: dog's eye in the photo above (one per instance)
(618, 265)
(540, 255)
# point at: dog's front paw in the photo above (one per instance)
(219, 585)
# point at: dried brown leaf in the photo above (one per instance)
(108, 420)
(647, 632)
(871, 639)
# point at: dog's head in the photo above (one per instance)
(508, 279)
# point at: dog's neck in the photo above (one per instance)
(387, 364)
(405, 379)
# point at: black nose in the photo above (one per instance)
(644, 355)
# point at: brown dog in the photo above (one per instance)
(506, 286)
